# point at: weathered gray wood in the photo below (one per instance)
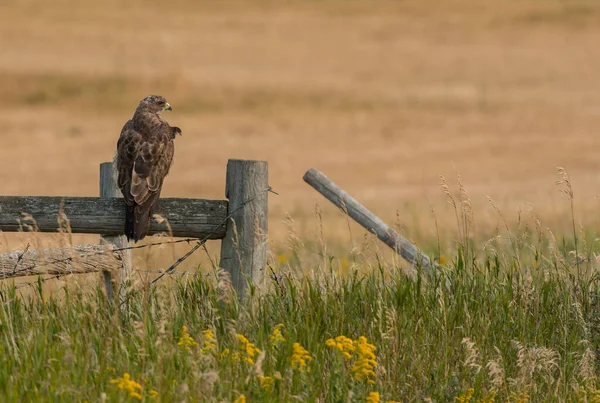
(193, 218)
(244, 248)
(109, 189)
(367, 219)
(75, 260)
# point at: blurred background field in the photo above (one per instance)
(383, 97)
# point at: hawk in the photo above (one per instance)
(144, 155)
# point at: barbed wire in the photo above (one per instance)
(42, 280)
(170, 270)
(162, 271)
(58, 276)
(148, 245)
(203, 241)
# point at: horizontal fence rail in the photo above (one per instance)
(240, 222)
(187, 218)
(59, 261)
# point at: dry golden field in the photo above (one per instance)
(382, 96)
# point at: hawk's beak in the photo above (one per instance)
(167, 107)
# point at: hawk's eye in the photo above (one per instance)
(161, 103)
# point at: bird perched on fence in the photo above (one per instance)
(144, 155)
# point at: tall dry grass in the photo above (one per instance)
(514, 319)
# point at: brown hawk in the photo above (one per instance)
(144, 155)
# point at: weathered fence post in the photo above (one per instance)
(367, 219)
(108, 189)
(244, 248)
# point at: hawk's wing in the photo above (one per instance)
(142, 164)
(126, 151)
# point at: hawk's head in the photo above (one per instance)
(155, 104)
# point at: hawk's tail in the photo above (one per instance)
(137, 218)
(137, 222)
(141, 222)
(129, 222)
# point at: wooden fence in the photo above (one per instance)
(240, 222)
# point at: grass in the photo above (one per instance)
(512, 319)
(505, 325)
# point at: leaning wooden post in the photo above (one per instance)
(244, 248)
(108, 189)
(367, 219)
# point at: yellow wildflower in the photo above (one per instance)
(153, 394)
(466, 396)
(522, 397)
(282, 259)
(186, 341)
(240, 399)
(364, 367)
(342, 343)
(247, 350)
(344, 264)
(588, 394)
(128, 385)
(266, 382)
(276, 337)
(209, 343)
(490, 398)
(372, 398)
(300, 357)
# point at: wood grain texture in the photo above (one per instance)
(74, 260)
(109, 189)
(194, 218)
(244, 248)
(366, 218)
